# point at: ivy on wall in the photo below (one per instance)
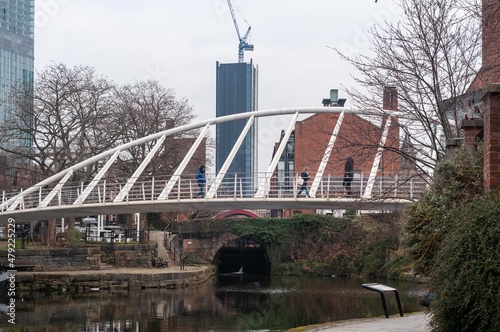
(317, 244)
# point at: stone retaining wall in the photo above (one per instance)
(116, 279)
(87, 258)
(128, 255)
(59, 259)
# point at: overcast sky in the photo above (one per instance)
(179, 41)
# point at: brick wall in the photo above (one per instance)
(128, 255)
(490, 70)
(491, 105)
(175, 156)
(358, 138)
(472, 131)
(490, 82)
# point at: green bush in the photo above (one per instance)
(74, 237)
(458, 180)
(467, 273)
(323, 245)
(380, 240)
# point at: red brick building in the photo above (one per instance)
(487, 82)
(359, 137)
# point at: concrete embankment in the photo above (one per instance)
(114, 279)
(411, 322)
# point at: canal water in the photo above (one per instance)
(224, 303)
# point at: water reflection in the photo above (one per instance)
(232, 303)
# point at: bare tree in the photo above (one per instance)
(74, 114)
(431, 55)
(66, 119)
(146, 108)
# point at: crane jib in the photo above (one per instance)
(243, 45)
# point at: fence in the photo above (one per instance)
(231, 186)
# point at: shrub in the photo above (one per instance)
(74, 237)
(458, 180)
(467, 276)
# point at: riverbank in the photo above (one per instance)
(411, 322)
(219, 303)
(113, 278)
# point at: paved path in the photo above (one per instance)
(411, 322)
(157, 237)
(123, 270)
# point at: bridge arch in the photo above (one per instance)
(56, 197)
(221, 242)
(238, 255)
(236, 213)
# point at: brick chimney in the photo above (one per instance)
(390, 99)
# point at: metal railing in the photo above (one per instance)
(231, 186)
(169, 244)
(126, 235)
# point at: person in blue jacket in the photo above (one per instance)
(200, 177)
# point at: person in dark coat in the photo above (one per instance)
(305, 176)
(348, 175)
(200, 178)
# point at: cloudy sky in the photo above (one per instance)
(179, 41)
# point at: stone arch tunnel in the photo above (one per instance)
(242, 255)
(212, 241)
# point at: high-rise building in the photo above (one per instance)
(16, 50)
(237, 93)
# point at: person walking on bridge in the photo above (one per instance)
(200, 177)
(348, 175)
(304, 177)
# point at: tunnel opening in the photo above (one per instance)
(243, 256)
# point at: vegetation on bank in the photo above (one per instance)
(322, 245)
(453, 235)
(457, 181)
(467, 274)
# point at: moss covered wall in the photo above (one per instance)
(303, 244)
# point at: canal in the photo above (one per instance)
(224, 303)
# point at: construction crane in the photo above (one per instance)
(243, 46)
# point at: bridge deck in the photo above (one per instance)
(388, 204)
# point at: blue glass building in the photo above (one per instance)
(237, 93)
(16, 50)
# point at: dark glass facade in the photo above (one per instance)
(16, 50)
(237, 93)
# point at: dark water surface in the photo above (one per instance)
(231, 303)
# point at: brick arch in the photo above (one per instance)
(232, 213)
(220, 243)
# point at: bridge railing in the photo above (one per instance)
(231, 186)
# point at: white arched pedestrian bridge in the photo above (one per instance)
(58, 197)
